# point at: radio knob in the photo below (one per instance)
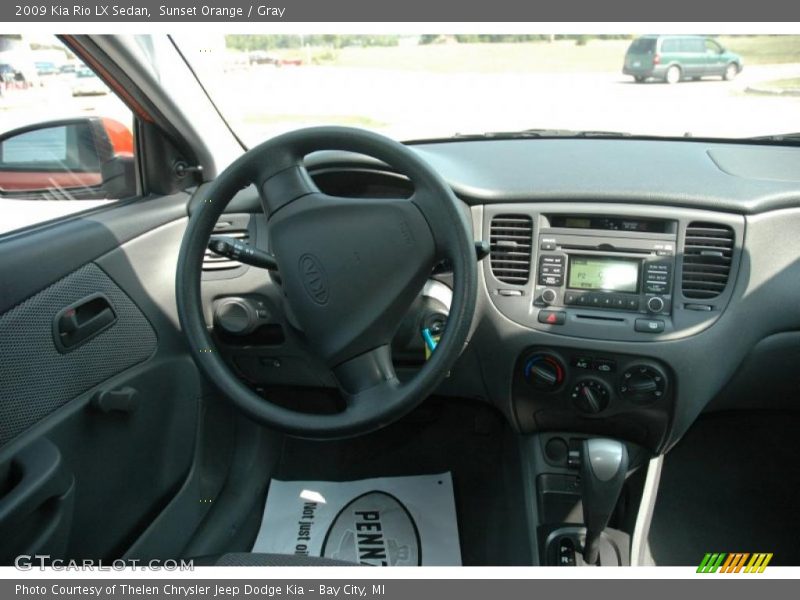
(655, 304)
(548, 296)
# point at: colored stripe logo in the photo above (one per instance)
(735, 562)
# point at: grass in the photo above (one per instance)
(540, 57)
(560, 56)
(764, 49)
(791, 84)
(348, 120)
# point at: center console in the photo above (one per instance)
(611, 272)
(598, 286)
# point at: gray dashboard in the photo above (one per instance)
(753, 190)
(729, 177)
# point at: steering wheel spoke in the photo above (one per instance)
(281, 188)
(366, 371)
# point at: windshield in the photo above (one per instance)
(433, 86)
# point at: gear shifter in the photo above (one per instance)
(604, 465)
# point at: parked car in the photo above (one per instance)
(7, 73)
(88, 84)
(260, 57)
(574, 347)
(12, 76)
(290, 62)
(46, 68)
(673, 58)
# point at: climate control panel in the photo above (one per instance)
(569, 389)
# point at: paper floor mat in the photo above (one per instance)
(387, 521)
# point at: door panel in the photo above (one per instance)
(96, 441)
(37, 376)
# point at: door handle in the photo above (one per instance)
(79, 322)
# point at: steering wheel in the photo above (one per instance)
(350, 269)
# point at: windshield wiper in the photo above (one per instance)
(542, 133)
(782, 137)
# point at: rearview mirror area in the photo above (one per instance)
(84, 158)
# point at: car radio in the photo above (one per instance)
(622, 271)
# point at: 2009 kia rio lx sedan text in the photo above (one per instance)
(241, 323)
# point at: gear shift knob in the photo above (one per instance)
(604, 464)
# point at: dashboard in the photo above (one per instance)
(629, 283)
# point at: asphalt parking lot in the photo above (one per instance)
(411, 104)
(262, 101)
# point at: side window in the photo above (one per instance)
(66, 142)
(713, 47)
(693, 45)
(670, 46)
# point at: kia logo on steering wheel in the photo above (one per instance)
(314, 279)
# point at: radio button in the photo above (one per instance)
(658, 278)
(551, 259)
(547, 246)
(649, 325)
(657, 266)
(607, 301)
(552, 269)
(655, 288)
(555, 280)
(619, 302)
(632, 304)
(571, 298)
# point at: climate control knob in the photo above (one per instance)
(643, 384)
(590, 396)
(544, 371)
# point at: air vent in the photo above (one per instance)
(707, 257)
(215, 262)
(510, 239)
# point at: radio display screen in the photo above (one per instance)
(601, 273)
